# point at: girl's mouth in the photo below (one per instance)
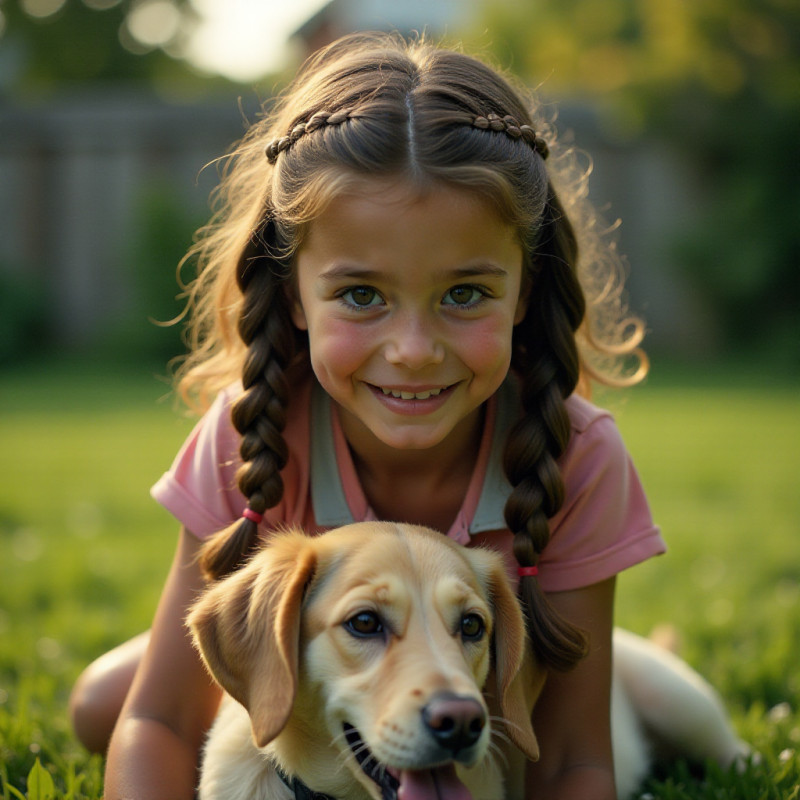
(412, 400)
(405, 395)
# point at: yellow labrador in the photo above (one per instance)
(385, 662)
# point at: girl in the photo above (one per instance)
(392, 315)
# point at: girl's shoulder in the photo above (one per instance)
(596, 442)
(200, 488)
(299, 398)
(583, 414)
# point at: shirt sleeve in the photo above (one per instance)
(605, 524)
(200, 489)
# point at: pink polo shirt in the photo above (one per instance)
(604, 526)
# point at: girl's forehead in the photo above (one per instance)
(399, 189)
(400, 195)
(390, 226)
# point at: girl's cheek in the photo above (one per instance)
(486, 342)
(339, 347)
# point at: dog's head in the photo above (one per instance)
(382, 638)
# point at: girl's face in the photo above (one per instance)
(409, 301)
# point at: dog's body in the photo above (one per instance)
(383, 660)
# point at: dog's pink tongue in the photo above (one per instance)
(441, 783)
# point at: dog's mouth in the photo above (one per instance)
(435, 783)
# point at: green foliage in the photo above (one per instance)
(152, 328)
(22, 313)
(38, 755)
(79, 42)
(86, 552)
(743, 254)
(718, 82)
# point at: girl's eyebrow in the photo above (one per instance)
(478, 270)
(349, 272)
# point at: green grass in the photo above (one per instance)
(84, 551)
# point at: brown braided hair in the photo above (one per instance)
(373, 105)
(548, 374)
(259, 414)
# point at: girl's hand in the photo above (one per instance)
(572, 716)
(156, 744)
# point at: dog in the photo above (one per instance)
(382, 661)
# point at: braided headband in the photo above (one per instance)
(277, 146)
(512, 128)
(507, 125)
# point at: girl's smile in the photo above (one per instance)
(409, 300)
(411, 400)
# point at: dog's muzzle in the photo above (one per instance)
(455, 724)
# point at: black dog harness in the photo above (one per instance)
(299, 790)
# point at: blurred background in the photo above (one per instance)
(110, 109)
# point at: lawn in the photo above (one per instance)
(83, 553)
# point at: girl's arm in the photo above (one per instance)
(572, 716)
(155, 746)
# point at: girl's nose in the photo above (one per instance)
(413, 342)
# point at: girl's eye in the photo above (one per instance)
(472, 627)
(361, 296)
(464, 295)
(365, 624)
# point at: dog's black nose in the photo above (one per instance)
(454, 720)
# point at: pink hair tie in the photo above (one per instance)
(248, 513)
(527, 572)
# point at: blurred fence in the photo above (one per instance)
(73, 171)
(71, 175)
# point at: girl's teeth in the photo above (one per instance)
(412, 395)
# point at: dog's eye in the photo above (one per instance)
(365, 623)
(472, 627)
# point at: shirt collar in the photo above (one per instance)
(329, 500)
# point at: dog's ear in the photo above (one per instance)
(519, 679)
(247, 629)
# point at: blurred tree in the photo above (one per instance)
(47, 43)
(719, 79)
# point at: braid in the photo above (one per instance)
(506, 124)
(259, 414)
(548, 376)
(510, 127)
(316, 121)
